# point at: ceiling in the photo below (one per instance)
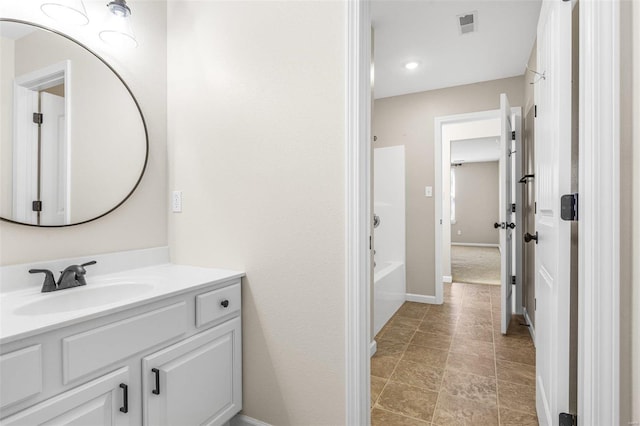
(475, 150)
(427, 31)
(15, 31)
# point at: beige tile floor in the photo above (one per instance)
(450, 365)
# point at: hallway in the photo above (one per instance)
(449, 365)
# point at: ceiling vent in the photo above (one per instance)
(468, 22)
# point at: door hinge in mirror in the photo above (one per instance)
(37, 117)
(513, 135)
(569, 207)
(513, 279)
(513, 207)
(36, 206)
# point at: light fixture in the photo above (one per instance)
(70, 12)
(411, 65)
(118, 31)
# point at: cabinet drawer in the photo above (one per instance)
(94, 349)
(21, 373)
(217, 304)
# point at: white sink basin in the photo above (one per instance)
(84, 297)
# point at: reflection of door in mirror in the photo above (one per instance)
(41, 147)
(81, 163)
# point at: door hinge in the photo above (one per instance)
(369, 242)
(513, 207)
(535, 111)
(569, 207)
(535, 304)
(36, 206)
(567, 419)
(535, 207)
(37, 117)
(513, 279)
(513, 135)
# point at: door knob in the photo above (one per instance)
(511, 225)
(498, 225)
(528, 237)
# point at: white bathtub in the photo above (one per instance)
(389, 292)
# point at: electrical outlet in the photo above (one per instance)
(176, 201)
(428, 191)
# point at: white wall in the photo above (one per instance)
(256, 137)
(389, 204)
(142, 221)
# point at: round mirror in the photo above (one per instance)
(73, 141)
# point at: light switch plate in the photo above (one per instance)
(176, 201)
(428, 191)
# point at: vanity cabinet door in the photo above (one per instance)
(97, 403)
(197, 381)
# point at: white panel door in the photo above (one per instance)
(100, 402)
(197, 381)
(25, 155)
(506, 233)
(553, 178)
(54, 170)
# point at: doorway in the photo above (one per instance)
(603, 21)
(41, 166)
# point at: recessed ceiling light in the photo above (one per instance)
(411, 65)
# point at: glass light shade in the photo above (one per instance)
(117, 27)
(70, 12)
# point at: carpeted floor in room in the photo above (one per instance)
(475, 265)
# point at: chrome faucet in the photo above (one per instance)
(72, 276)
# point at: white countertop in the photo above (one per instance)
(163, 280)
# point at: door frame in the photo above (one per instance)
(442, 226)
(358, 212)
(599, 214)
(25, 102)
(599, 343)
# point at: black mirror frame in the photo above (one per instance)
(135, 101)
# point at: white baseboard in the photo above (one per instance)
(373, 348)
(421, 298)
(242, 420)
(476, 245)
(447, 279)
(532, 330)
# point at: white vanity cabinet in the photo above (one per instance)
(196, 381)
(172, 361)
(101, 402)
